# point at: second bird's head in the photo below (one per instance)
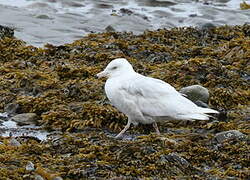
(116, 67)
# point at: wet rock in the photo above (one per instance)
(193, 15)
(110, 28)
(38, 177)
(12, 108)
(25, 119)
(6, 32)
(201, 104)
(30, 166)
(126, 11)
(196, 93)
(207, 26)
(229, 135)
(177, 159)
(14, 142)
(43, 16)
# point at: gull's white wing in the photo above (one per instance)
(156, 98)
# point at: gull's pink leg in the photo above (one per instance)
(124, 130)
(156, 128)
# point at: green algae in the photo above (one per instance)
(58, 84)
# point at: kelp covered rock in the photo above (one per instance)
(94, 155)
(6, 32)
(58, 84)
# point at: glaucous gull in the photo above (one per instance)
(146, 100)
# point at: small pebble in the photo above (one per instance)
(14, 142)
(38, 177)
(30, 166)
(57, 178)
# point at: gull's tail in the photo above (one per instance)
(208, 111)
(194, 117)
(202, 114)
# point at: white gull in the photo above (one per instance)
(146, 100)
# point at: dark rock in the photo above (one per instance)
(192, 15)
(229, 135)
(175, 158)
(12, 108)
(207, 26)
(110, 28)
(196, 93)
(126, 11)
(201, 104)
(6, 32)
(25, 119)
(43, 16)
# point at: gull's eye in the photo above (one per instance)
(113, 68)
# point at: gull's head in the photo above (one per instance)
(116, 67)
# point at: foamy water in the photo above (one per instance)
(10, 128)
(61, 21)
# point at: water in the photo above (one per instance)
(61, 21)
(10, 128)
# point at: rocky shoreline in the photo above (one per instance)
(56, 85)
